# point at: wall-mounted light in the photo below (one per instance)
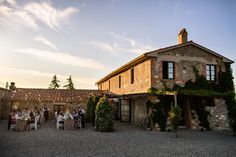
(184, 70)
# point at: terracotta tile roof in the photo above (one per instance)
(51, 95)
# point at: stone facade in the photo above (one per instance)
(184, 59)
(219, 115)
(149, 73)
(3, 92)
(142, 80)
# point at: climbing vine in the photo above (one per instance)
(226, 85)
(201, 87)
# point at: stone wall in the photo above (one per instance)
(184, 59)
(3, 92)
(138, 110)
(142, 80)
(219, 118)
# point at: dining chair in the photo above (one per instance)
(35, 124)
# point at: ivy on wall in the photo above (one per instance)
(201, 87)
(226, 85)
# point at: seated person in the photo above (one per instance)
(31, 119)
(37, 114)
(76, 116)
(60, 118)
(68, 115)
(18, 115)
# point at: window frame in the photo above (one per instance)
(166, 70)
(119, 81)
(211, 70)
(132, 76)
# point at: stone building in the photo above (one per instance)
(32, 98)
(3, 93)
(163, 68)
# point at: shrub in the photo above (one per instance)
(160, 111)
(91, 107)
(203, 116)
(104, 120)
(175, 117)
(159, 116)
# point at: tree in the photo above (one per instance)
(104, 119)
(54, 83)
(70, 84)
(91, 107)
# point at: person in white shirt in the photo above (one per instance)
(60, 118)
(68, 115)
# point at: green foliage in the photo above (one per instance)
(155, 91)
(54, 83)
(160, 111)
(201, 92)
(91, 107)
(152, 91)
(104, 116)
(201, 87)
(70, 84)
(200, 108)
(175, 117)
(226, 84)
(88, 109)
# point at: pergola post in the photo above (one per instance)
(175, 99)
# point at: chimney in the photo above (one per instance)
(183, 36)
(12, 86)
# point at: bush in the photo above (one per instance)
(160, 111)
(203, 116)
(159, 116)
(175, 117)
(104, 116)
(91, 107)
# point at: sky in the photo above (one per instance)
(88, 39)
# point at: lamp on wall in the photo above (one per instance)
(184, 70)
(15, 106)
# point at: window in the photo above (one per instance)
(168, 70)
(132, 76)
(109, 85)
(210, 72)
(58, 108)
(119, 81)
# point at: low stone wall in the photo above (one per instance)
(219, 115)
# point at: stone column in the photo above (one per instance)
(187, 114)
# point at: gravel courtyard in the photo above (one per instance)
(125, 141)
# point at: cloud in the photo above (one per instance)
(103, 46)
(45, 41)
(121, 43)
(12, 2)
(63, 58)
(79, 79)
(32, 14)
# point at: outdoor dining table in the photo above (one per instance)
(21, 125)
(68, 124)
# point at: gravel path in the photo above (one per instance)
(125, 141)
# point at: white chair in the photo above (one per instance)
(35, 124)
(13, 126)
(59, 125)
